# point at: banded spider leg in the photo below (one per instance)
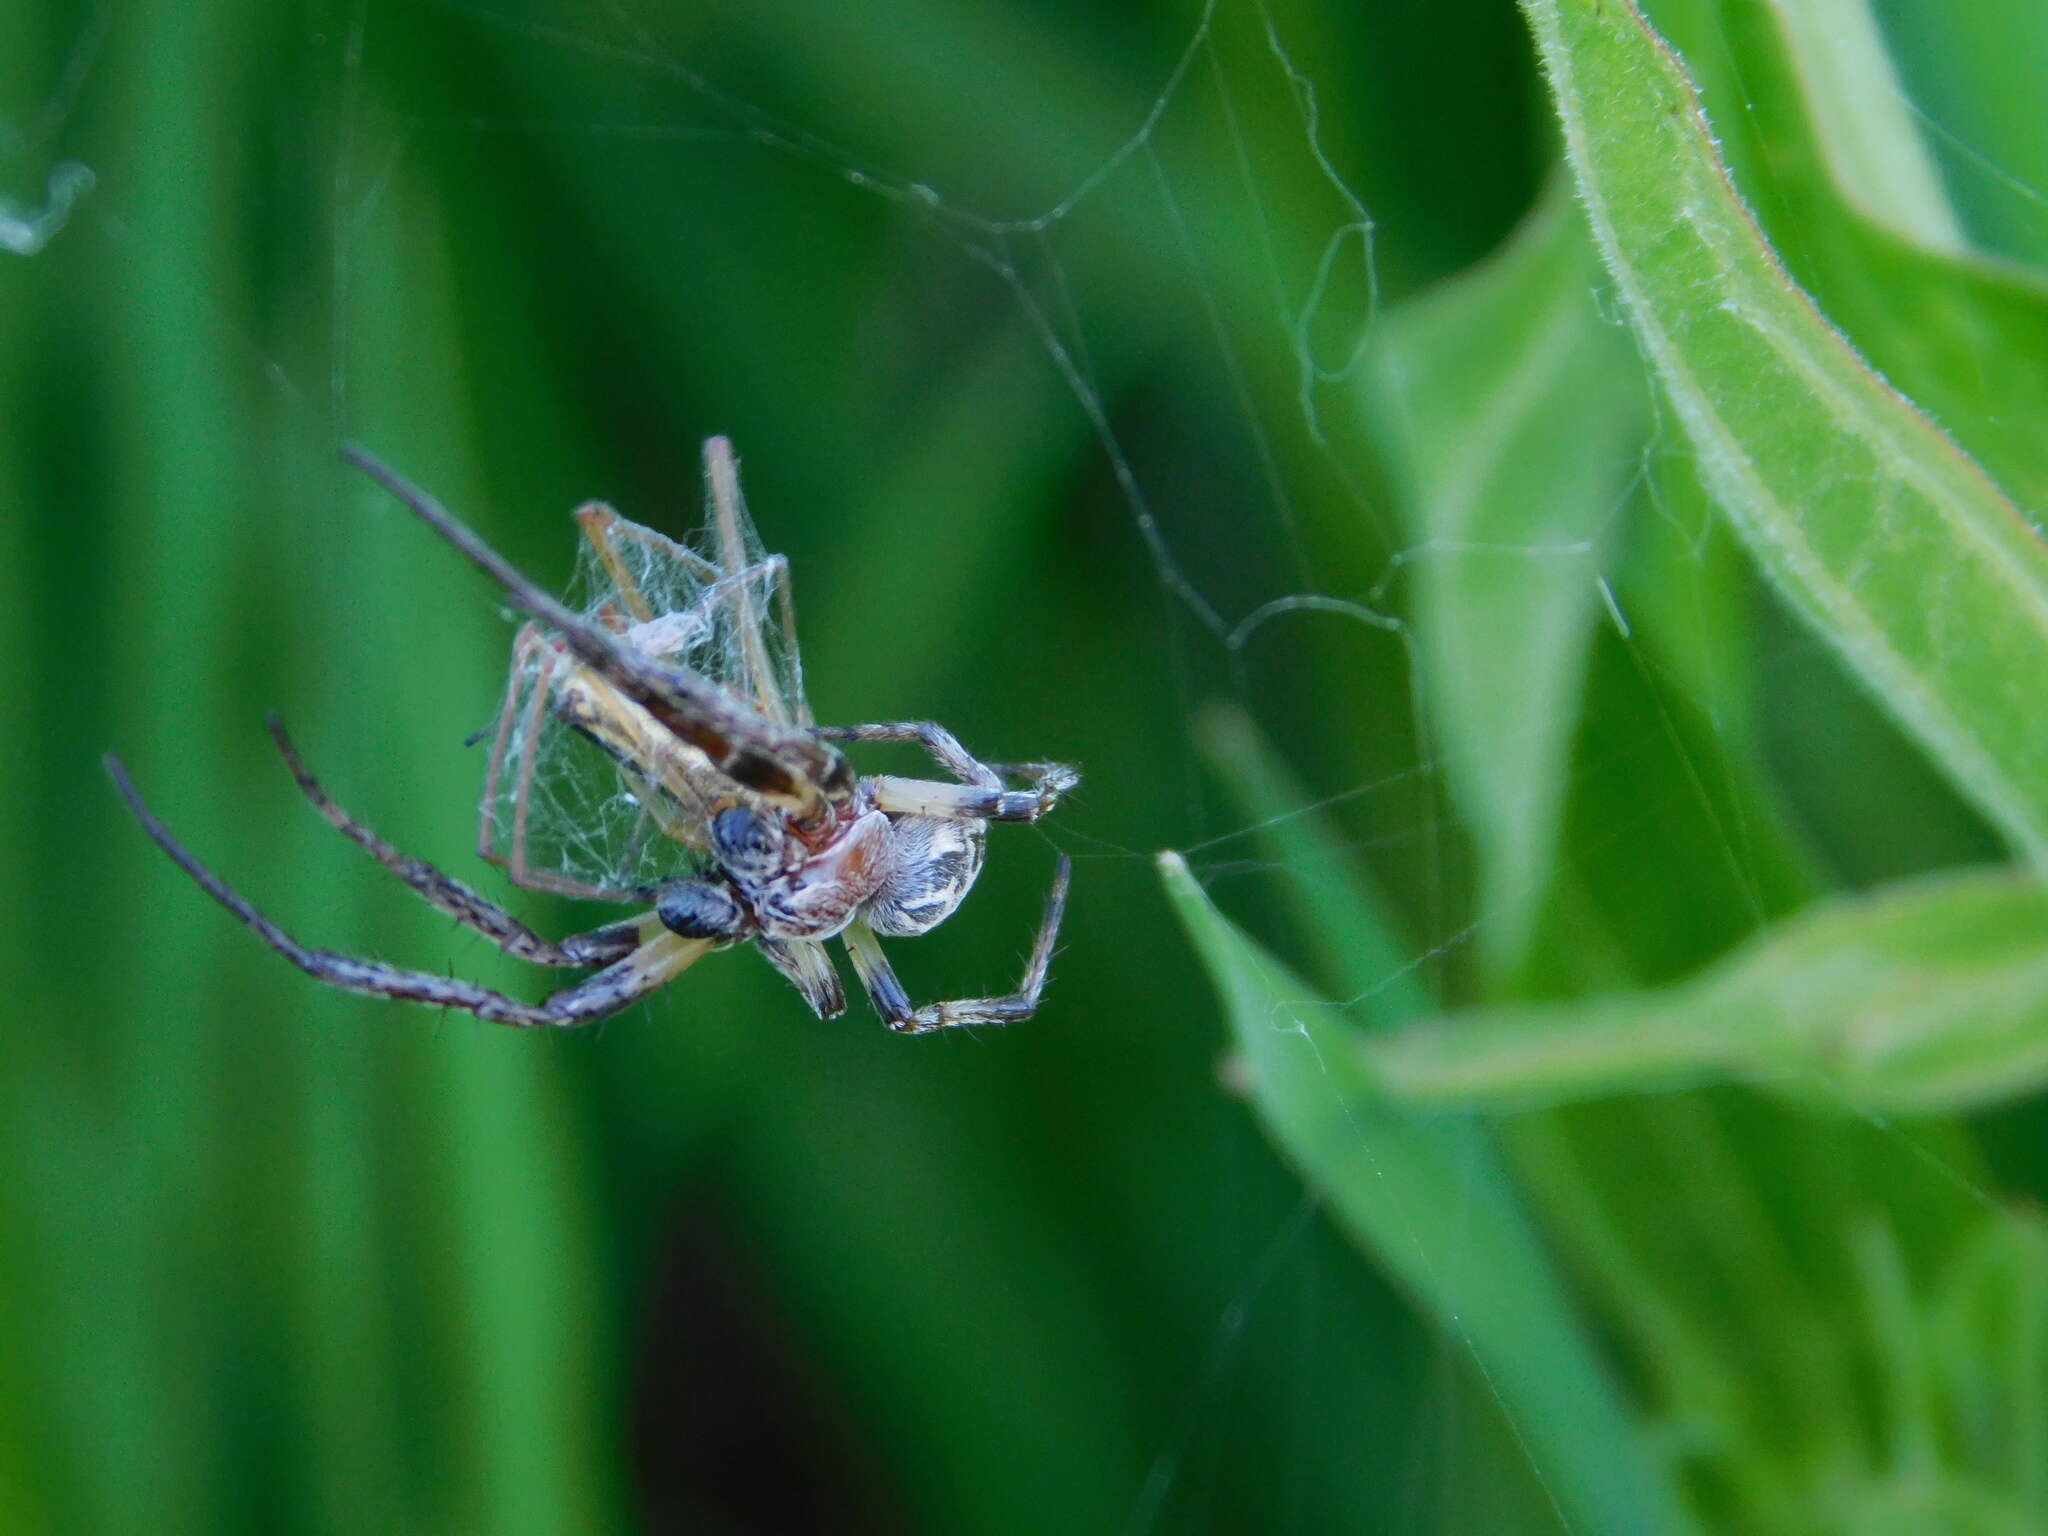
(637, 956)
(894, 1005)
(980, 796)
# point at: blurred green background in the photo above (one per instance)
(1035, 327)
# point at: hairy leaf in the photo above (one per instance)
(1879, 531)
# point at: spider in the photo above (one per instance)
(762, 828)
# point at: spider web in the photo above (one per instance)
(718, 605)
(1259, 602)
(1279, 330)
(29, 222)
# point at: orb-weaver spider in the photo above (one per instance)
(762, 829)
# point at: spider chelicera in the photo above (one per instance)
(718, 776)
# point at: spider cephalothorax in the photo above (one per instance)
(695, 703)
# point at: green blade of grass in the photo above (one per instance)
(1426, 1198)
(1879, 531)
(1930, 995)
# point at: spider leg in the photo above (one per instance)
(807, 965)
(1039, 773)
(942, 744)
(979, 796)
(600, 947)
(894, 1005)
(659, 960)
(971, 802)
(782, 763)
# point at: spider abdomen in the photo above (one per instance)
(934, 868)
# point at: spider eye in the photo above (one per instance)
(701, 909)
(747, 843)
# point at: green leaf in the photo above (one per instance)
(1829, 156)
(1973, 75)
(1862, 121)
(1879, 531)
(1426, 1197)
(1930, 995)
(1515, 414)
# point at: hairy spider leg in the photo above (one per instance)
(807, 965)
(599, 947)
(941, 744)
(657, 961)
(893, 1003)
(1040, 774)
(979, 796)
(968, 802)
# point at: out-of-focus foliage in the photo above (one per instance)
(1788, 1298)
(1930, 995)
(1897, 549)
(1391, 1176)
(1039, 331)
(1540, 458)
